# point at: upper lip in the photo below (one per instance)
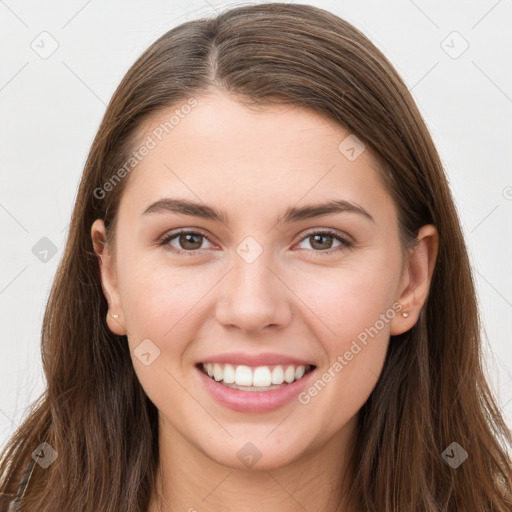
(262, 359)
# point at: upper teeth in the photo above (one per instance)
(260, 376)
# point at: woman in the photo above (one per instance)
(316, 347)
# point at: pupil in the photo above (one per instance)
(186, 238)
(316, 237)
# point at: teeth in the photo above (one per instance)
(289, 374)
(299, 372)
(277, 375)
(259, 377)
(217, 372)
(229, 374)
(243, 376)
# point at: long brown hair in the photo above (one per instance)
(432, 390)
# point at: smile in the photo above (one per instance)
(260, 378)
(254, 389)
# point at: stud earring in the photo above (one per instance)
(405, 314)
(114, 316)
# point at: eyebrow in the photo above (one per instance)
(292, 214)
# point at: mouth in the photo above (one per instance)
(255, 378)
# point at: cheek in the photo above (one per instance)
(354, 355)
(353, 309)
(155, 298)
(347, 300)
(161, 305)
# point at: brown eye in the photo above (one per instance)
(190, 242)
(322, 242)
(186, 242)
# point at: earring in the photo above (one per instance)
(114, 316)
(405, 314)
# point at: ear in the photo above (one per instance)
(108, 278)
(416, 279)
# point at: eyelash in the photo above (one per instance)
(346, 243)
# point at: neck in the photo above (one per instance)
(189, 480)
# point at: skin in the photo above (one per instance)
(291, 300)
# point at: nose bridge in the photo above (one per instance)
(253, 280)
(252, 296)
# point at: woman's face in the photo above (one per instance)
(264, 282)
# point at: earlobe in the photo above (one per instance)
(415, 286)
(114, 319)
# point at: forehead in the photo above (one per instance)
(231, 154)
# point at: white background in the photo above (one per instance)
(51, 108)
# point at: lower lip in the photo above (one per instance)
(254, 401)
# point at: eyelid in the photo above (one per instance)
(329, 231)
(346, 241)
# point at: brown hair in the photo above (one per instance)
(432, 390)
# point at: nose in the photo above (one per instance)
(253, 296)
